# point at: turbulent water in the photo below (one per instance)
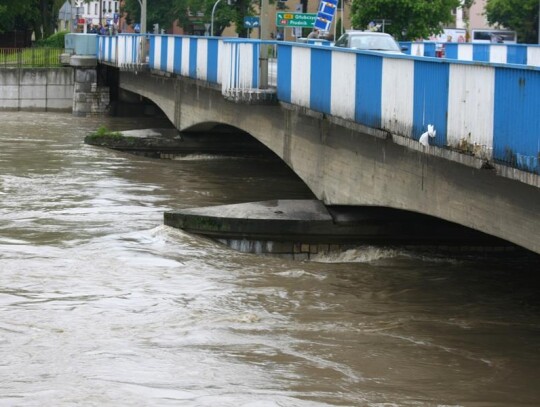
(102, 305)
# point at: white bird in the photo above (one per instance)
(424, 138)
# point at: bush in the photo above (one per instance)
(54, 41)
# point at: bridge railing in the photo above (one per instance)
(240, 66)
(231, 63)
(107, 49)
(190, 56)
(126, 51)
(487, 110)
(521, 54)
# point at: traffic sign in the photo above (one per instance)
(285, 19)
(325, 15)
(251, 22)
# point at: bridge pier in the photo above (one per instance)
(89, 98)
(299, 229)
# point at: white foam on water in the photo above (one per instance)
(365, 254)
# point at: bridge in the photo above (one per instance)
(349, 122)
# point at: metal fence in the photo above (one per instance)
(30, 57)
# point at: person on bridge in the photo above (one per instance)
(314, 33)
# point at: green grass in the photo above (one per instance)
(30, 57)
(102, 131)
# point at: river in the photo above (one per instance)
(102, 305)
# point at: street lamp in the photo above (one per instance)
(142, 3)
(212, 18)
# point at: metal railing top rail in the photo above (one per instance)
(30, 57)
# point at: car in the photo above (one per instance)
(369, 41)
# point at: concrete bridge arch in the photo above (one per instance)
(344, 163)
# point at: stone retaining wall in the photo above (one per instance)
(36, 89)
(89, 99)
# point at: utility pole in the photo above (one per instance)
(263, 56)
(142, 3)
(72, 15)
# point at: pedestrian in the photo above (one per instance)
(314, 33)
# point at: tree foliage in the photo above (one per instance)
(162, 12)
(37, 15)
(185, 12)
(518, 15)
(410, 19)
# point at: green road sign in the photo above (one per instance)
(285, 19)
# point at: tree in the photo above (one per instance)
(410, 19)
(166, 12)
(518, 15)
(36, 15)
(162, 12)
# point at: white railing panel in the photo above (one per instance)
(343, 90)
(397, 95)
(470, 107)
(300, 76)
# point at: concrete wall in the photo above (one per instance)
(347, 164)
(36, 89)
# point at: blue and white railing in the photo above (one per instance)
(520, 54)
(240, 67)
(107, 49)
(231, 63)
(132, 51)
(126, 51)
(189, 56)
(490, 110)
(421, 49)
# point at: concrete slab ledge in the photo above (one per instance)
(84, 61)
(307, 220)
(293, 227)
(166, 143)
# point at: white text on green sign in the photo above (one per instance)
(295, 19)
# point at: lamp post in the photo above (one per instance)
(142, 3)
(212, 18)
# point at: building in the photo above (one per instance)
(85, 15)
(477, 19)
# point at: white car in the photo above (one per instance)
(369, 40)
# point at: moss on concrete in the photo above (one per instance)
(107, 138)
